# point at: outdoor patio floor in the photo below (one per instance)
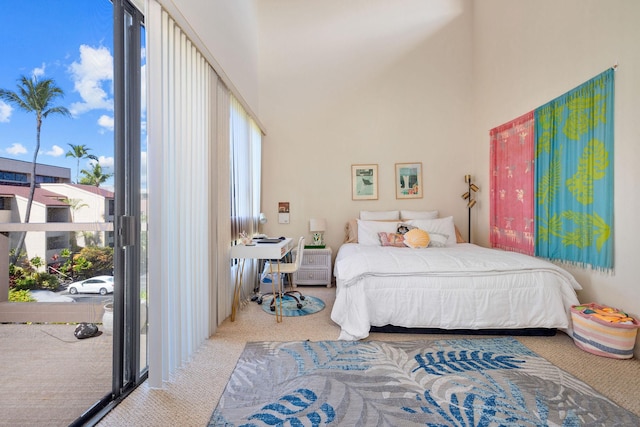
(48, 376)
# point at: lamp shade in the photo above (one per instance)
(317, 224)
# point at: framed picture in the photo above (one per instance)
(364, 182)
(409, 181)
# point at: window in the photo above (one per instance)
(5, 203)
(246, 145)
(7, 177)
(57, 242)
(46, 179)
(58, 215)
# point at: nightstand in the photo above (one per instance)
(315, 268)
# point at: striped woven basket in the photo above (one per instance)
(597, 336)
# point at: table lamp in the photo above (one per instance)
(317, 226)
(262, 220)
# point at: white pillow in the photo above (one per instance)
(368, 231)
(441, 225)
(418, 215)
(379, 215)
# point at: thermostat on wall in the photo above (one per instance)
(283, 212)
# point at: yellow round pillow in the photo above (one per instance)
(416, 238)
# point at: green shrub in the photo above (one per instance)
(25, 283)
(48, 281)
(23, 295)
(100, 259)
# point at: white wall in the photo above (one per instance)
(529, 52)
(372, 81)
(227, 32)
(381, 81)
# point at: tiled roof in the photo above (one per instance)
(95, 190)
(44, 197)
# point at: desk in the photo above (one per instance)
(258, 251)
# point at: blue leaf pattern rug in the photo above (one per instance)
(460, 382)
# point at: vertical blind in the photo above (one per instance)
(180, 178)
(204, 187)
(245, 160)
(245, 171)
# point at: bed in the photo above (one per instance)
(452, 286)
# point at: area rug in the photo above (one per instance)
(464, 382)
(290, 308)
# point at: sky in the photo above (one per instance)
(70, 42)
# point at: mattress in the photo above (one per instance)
(462, 286)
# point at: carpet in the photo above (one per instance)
(290, 308)
(463, 382)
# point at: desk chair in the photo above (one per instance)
(286, 268)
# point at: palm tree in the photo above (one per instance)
(94, 176)
(75, 205)
(80, 152)
(34, 96)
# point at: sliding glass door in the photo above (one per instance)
(129, 351)
(85, 158)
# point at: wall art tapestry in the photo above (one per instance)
(574, 175)
(512, 197)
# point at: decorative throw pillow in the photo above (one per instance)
(438, 240)
(416, 238)
(392, 239)
(403, 228)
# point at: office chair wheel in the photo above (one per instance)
(299, 305)
(273, 308)
(259, 301)
(302, 297)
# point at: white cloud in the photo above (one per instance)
(106, 162)
(94, 70)
(17, 149)
(55, 151)
(5, 112)
(37, 72)
(106, 122)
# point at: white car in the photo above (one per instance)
(96, 285)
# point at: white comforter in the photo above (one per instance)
(458, 287)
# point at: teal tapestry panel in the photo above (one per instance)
(574, 175)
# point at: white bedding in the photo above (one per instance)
(456, 287)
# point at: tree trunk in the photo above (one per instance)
(32, 190)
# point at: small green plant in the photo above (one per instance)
(25, 283)
(22, 295)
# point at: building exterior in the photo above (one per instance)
(90, 204)
(47, 207)
(55, 199)
(18, 172)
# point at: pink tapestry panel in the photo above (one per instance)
(512, 197)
